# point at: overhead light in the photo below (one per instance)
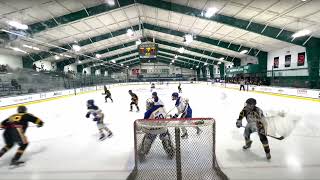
(79, 62)
(210, 12)
(197, 66)
(243, 51)
(31, 47)
(35, 74)
(138, 42)
(98, 56)
(68, 56)
(56, 57)
(172, 61)
(222, 58)
(18, 25)
(76, 47)
(176, 56)
(191, 68)
(301, 33)
(205, 64)
(110, 2)
(219, 62)
(181, 50)
(188, 38)
(127, 66)
(35, 48)
(113, 61)
(18, 50)
(130, 32)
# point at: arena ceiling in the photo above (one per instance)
(101, 26)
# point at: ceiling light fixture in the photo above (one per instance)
(76, 47)
(181, 50)
(172, 61)
(110, 2)
(210, 12)
(197, 66)
(301, 33)
(222, 58)
(243, 51)
(205, 64)
(138, 42)
(130, 32)
(188, 38)
(18, 50)
(56, 57)
(18, 25)
(219, 62)
(121, 64)
(191, 68)
(98, 56)
(113, 61)
(176, 56)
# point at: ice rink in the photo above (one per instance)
(67, 147)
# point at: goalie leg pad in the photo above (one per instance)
(167, 144)
(146, 143)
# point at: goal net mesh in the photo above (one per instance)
(194, 158)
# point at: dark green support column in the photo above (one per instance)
(79, 69)
(221, 66)
(204, 72)
(313, 59)
(198, 73)
(27, 62)
(263, 63)
(211, 70)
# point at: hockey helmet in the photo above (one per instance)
(130, 91)
(149, 103)
(154, 94)
(90, 102)
(175, 95)
(22, 109)
(250, 103)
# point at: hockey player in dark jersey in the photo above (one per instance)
(155, 112)
(98, 116)
(179, 88)
(256, 123)
(15, 128)
(134, 100)
(108, 94)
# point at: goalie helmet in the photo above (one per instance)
(149, 103)
(22, 109)
(250, 103)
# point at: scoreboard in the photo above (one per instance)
(148, 50)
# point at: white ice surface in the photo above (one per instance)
(67, 147)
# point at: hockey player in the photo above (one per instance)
(155, 112)
(134, 100)
(108, 94)
(256, 122)
(183, 107)
(156, 99)
(98, 116)
(179, 88)
(153, 86)
(15, 128)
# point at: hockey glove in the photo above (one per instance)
(87, 115)
(40, 124)
(239, 123)
(175, 116)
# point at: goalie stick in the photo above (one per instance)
(275, 137)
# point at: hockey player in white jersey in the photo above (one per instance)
(98, 116)
(256, 123)
(183, 107)
(155, 112)
(156, 99)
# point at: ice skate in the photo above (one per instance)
(110, 135)
(199, 131)
(268, 155)
(15, 164)
(248, 145)
(102, 137)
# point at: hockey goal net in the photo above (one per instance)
(194, 158)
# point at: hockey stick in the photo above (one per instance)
(275, 137)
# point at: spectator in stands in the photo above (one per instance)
(15, 84)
